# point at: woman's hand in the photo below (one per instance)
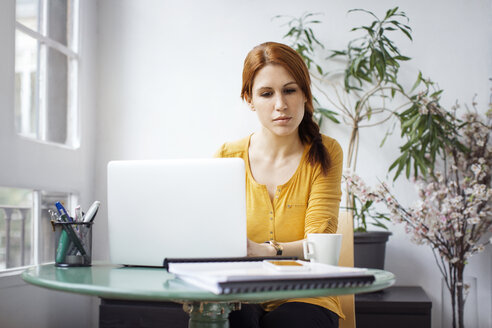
(255, 249)
(293, 248)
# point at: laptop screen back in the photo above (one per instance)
(177, 209)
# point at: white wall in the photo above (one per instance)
(170, 77)
(29, 164)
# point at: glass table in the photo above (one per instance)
(156, 284)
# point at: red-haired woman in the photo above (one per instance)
(293, 179)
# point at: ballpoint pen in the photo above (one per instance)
(63, 211)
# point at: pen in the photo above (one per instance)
(61, 250)
(78, 214)
(92, 211)
(63, 212)
(63, 243)
(77, 217)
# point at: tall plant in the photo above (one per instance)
(367, 92)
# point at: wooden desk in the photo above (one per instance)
(396, 306)
(206, 309)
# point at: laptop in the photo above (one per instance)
(180, 208)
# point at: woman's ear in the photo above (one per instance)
(249, 101)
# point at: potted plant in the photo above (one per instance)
(366, 92)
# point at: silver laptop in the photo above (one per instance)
(176, 209)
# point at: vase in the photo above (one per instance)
(451, 314)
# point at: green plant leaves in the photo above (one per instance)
(364, 210)
(429, 132)
(303, 39)
(329, 114)
(374, 49)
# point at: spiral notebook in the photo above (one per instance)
(254, 276)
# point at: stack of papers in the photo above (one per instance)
(241, 277)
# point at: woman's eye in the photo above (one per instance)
(266, 94)
(289, 91)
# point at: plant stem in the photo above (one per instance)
(461, 301)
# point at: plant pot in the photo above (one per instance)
(370, 249)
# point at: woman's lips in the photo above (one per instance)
(282, 119)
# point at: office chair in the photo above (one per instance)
(346, 228)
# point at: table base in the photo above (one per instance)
(209, 314)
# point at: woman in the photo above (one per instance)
(293, 178)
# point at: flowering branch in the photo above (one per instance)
(454, 212)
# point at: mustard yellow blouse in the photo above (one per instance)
(307, 203)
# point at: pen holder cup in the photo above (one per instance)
(73, 243)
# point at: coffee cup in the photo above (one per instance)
(322, 247)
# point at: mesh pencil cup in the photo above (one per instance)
(73, 243)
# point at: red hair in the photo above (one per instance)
(273, 53)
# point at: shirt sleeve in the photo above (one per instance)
(326, 192)
(220, 152)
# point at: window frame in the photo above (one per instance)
(71, 51)
(36, 217)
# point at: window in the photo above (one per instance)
(46, 71)
(26, 235)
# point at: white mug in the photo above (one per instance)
(322, 247)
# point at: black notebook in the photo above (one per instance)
(167, 261)
(258, 276)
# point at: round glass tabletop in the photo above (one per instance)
(156, 284)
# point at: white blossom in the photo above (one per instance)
(454, 210)
(480, 248)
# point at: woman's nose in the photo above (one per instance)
(280, 103)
